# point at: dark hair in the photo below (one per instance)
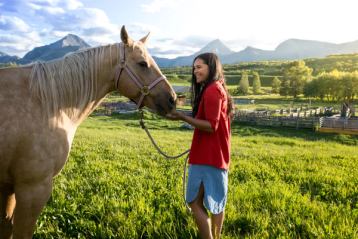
(215, 73)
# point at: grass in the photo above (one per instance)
(274, 102)
(283, 183)
(179, 82)
(115, 97)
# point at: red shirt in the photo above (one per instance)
(212, 148)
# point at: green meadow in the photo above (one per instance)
(283, 183)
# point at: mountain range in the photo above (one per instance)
(5, 58)
(288, 50)
(291, 49)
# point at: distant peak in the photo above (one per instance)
(293, 43)
(217, 41)
(249, 48)
(71, 40)
(216, 46)
(71, 35)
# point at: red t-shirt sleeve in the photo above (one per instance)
(212, 106)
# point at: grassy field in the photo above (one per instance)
(283, 183)
(274, 102)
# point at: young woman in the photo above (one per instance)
(209, 156)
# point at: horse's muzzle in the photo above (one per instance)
(165, 104)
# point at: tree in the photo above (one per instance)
(244, 84)
(329, 85)
(256, 83)
(314, 89)
(174, 77)
(355, 84)
(276, 83)
(297, 75)
(349, 84)
(334, 86)
(285, 87)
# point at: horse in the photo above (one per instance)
(43, 104)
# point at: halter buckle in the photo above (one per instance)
(123, 64)
(144, 90)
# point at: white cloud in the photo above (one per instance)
(92, 17)
(66, 4)
(73, 4)
(157, 5)
(51, 19)
(12, 23)
(138, 30)
(57, 34)
(171, 48)
(19, 44)
(96, 40)
(181, 27)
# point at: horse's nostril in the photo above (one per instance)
(171, 100)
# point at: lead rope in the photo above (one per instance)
(142, 124)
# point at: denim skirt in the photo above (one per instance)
(215, 183)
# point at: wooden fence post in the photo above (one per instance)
(298, 118)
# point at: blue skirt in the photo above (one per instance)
(215, 182)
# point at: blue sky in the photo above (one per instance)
(178, 27)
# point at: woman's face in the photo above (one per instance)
(201, 70)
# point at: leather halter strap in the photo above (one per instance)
(144, 89)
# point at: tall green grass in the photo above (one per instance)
(283, 183)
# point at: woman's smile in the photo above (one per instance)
(201, 70)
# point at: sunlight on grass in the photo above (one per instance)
(283, 183)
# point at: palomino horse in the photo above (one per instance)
(41, 107)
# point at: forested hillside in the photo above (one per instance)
(317, 78)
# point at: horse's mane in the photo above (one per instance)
(70, 83)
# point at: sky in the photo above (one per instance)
(177, 27)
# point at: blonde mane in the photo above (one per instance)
(70, 83)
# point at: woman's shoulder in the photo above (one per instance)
(216, 88)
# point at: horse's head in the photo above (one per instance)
(140, 79)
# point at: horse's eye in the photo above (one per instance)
(143, 64)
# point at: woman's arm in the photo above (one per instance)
(203, 125)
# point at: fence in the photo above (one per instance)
(342, 123)
(278, 121)
(339, 125)
(323, 124)
(307, 119)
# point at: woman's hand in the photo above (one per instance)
(175, 115)
(203, 125)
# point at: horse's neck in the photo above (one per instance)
(104, 84)
(102, 91)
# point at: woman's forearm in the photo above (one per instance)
(203, 125)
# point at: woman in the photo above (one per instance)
(210, 150)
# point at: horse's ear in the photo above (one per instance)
(144, 39)
(124, 36)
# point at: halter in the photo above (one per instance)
(144, 89)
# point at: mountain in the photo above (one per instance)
(248, 54)
(288, 50)
(215, 46)
(55, 50)
(349, 47)
(298, 49)
(5, 58)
